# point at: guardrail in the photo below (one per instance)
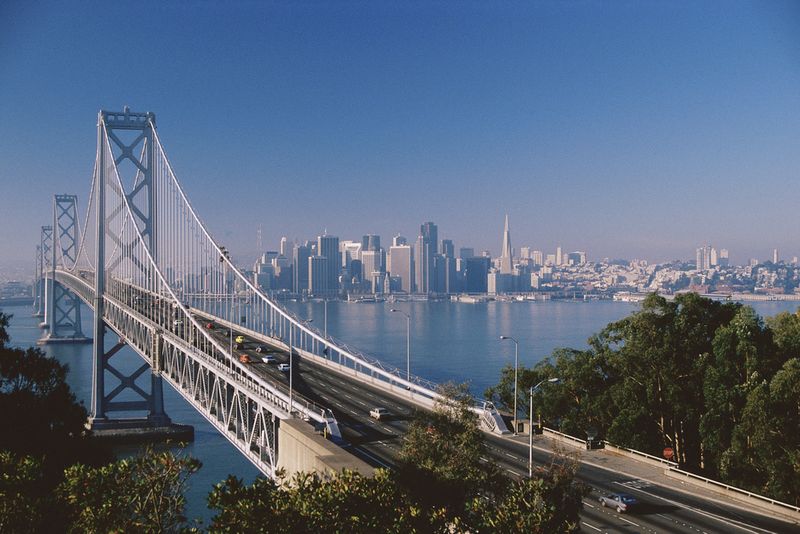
(671, 469)
(697, 479)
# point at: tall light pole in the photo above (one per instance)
(291, 352)
(408, 342)
(530, 433)
(326, 318)
(516, 367)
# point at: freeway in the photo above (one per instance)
(662, 509)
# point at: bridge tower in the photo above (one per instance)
(45, 284)
(62, 307)
(123, 136)
(38, 305)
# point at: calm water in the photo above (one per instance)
(449, 341)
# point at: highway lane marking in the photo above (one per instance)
(587, 504)
(629, 521)
(373, 457)
(727, 521)
(590, 526)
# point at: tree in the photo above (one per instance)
(22, 501)
(141, 494)
(548, 502)
(440, 462)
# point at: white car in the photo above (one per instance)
(283, 367)
(269, 359)
(379, 413)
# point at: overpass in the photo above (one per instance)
(148, 267)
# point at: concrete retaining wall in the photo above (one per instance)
(302, 449)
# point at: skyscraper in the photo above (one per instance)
(318, 275)
(775, 255)
(328, 247)
(399, 240)
(423, 270)
(401, 264)
(506, 259)
(466, 252)
(559, 259)
(448, 249)
(300, 256)
(430, 232)
(284, 247)
(371, 242)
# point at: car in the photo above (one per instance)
(269, 359)
(209, 325)
(262, 348)
(379, 413)
(621, 501)
(284, 367)
(239, 339)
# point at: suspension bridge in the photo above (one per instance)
(154, 276)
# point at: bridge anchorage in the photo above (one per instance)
(154, 276)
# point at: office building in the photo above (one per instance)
(525, 253)
(370, 263)
(476, 270)
(506, 256)
(300, 256)
(371, 242)
(284, 247)
(559, 259)
(399, 240)
(448, 249)
(318, 276)
(724, 261)
(775, 255)
(328, 247)
(423, 268)
(430, 232)
(466, 252)
(537, 258)
(400, 264)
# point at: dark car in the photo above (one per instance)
(621, 501)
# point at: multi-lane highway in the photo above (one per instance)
(662, 508)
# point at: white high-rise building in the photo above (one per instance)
(775, 257)
(537, 258)
(401, 264)
(284, 247)
(559, 258)
(506, 257)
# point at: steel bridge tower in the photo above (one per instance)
(62, 308)
(131, 137)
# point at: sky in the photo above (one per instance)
(628, 129)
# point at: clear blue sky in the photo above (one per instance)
(627, 129)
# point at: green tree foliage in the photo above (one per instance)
(22, 502)
(441, 458)
(343, 502)
(141, 494)
(711, 380)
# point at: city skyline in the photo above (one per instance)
(626, 131)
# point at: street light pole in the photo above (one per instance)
(408, 342)
(516, 367)
(326, 318)
(291, 364)
(530, 432)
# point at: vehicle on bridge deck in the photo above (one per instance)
(379, 413)
(269, 359)
(283, 367)
(621, 501)
(262, 348)
(209, 325)
(246, 358)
